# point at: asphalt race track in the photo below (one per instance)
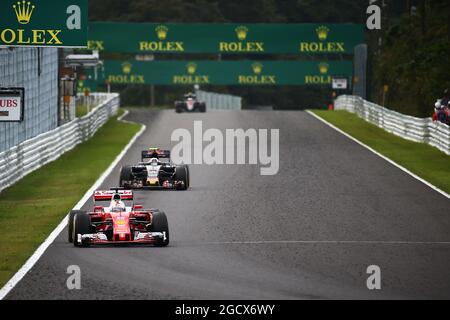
(309, 232)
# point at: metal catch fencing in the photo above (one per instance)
(218, 102)
(34, 153)
(36, 70)
(422, 130)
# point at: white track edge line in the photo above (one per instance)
(442, 192)
(44, 246)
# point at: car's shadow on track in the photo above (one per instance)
(122, 246)
(170, 190)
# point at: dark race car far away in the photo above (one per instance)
(190, 104)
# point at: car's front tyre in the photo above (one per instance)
(125, 176)
(70, 224)
(81, 225)
(160, 224)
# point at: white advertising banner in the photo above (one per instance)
(340, 83)
(11, 106)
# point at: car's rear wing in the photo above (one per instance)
(108, 195)
(158, 154)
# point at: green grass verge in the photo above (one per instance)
(425, 161)
(34, 206)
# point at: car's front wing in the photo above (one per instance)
(139, 238)
(175, 185)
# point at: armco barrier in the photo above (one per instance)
(216, 101)
(415, 129)
(32, 154)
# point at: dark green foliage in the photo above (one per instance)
(250, 11)
(415, 60)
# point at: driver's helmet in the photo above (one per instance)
(118, 206)
(154, 162)
(438, 105)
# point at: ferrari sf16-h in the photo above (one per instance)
(117, 223)
(155, 171)
(190, 104)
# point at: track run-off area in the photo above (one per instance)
(309, 232)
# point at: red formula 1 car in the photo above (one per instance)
(117, 223)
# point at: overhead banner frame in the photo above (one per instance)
(223, 72)
(198, 38)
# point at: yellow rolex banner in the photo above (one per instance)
(225, 38)
(44, 23)
(224, 73)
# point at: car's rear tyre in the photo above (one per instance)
(81, 225)
(188, 177)
(202, 107)
(160, 224)
(181, 174)
(125, 175)
(70, 224)
(178, 108)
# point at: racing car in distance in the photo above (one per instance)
(117, 223)
(190, 104)
(155, 171)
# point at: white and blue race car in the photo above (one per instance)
(155, 171)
